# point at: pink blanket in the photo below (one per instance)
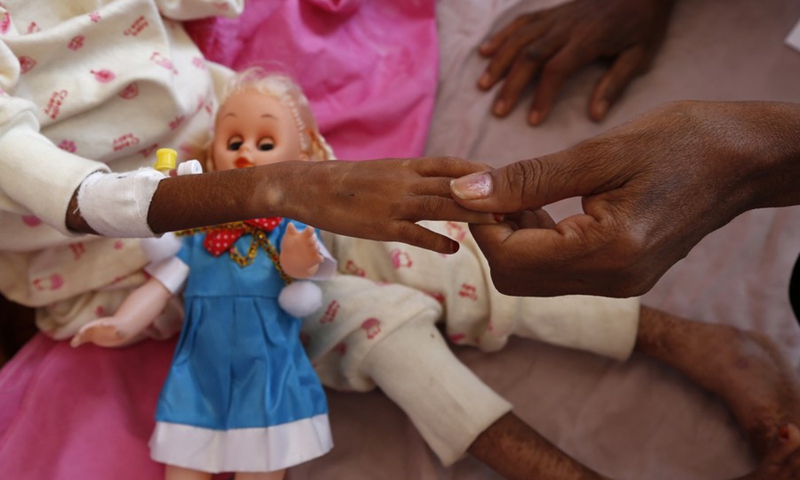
(369, 69)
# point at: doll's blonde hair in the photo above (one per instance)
(289, 93)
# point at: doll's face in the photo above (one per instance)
(254, 128)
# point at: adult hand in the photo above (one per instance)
(377, 199)
(651, 189)
(556, 43)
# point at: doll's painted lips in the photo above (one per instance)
(242, 162)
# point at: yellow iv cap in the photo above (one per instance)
(166, 160)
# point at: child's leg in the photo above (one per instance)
(745, 369)
(516, 451)
(455, 411)
(368, 333)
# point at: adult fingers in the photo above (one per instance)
(526, 184)
(509, 53)
(522, 262)
(627, 66)
(490, 46)
(554, 73)
(525, 68)
(578, 256)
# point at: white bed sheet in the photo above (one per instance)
(633, 420)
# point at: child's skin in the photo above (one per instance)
(762, 392)
(745, 369)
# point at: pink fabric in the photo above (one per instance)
(369, 69)
(80, 413)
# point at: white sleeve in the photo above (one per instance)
(164, 265)
(36, 177)
(328, 266)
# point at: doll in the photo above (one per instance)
(241, 394)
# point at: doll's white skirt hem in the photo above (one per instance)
(243, 449)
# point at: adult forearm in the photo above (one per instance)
(774, 137)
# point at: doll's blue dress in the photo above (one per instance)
(241, 394)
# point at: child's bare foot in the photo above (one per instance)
(102, 332)
(746, 369)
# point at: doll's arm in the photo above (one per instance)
(141, 308)
(300, 255)
(127, 325)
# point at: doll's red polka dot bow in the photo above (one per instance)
(220, 239)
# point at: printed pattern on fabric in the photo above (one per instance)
(68, 72)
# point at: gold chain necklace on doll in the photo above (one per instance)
(221, 238)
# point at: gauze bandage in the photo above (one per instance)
(116, 204)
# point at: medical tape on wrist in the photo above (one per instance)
(116, 204)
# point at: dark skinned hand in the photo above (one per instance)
(554, 44)
(651, 190)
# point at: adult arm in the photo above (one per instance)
(651, 190)
(554, 44)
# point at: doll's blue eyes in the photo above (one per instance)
(235, 145)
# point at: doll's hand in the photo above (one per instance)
(300, 257)
(105, 332)
(554, 44)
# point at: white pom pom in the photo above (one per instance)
(300, 298)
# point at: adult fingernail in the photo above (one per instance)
(602, 108)
(485, 80)
(472, 187)
(533, 118)
(499, 107)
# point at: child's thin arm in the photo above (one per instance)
(379, 200)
